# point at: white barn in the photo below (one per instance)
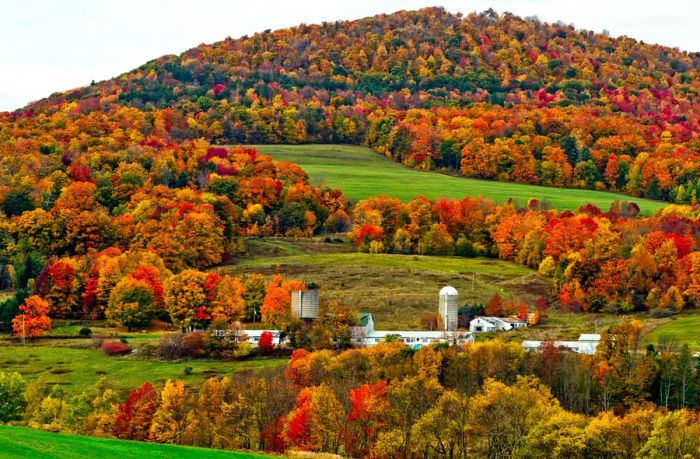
(586, 344)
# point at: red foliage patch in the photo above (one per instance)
(134, 416)
(112, 348)
(265, 344)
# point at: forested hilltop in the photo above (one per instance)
(492, 96)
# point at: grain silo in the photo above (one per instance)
(305, 304)
(449, 306)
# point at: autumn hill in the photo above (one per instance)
(490, 95)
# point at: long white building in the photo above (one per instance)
(586, 344)
(366, 335)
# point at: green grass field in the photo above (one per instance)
(361, 173)
(76, 369)
(396, 289)
(679, 330)
(19, 442)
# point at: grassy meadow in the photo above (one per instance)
(78, 369)
(396, 289)
(361, 173)
(678, 330)
(19, 442)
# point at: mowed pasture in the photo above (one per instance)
(679, 330)
(361, 173)
(397, 289)
(19, 442)
(78, 369)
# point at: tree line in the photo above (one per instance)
(613, 261)
(488, 399)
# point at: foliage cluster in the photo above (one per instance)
(612, 261)
(489, 399)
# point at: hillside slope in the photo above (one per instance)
(19, 442)
(493, 96)
(360, 174)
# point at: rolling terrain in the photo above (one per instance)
(78, 369)
(361, 173)
(397, 289)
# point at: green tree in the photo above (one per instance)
(676, 435)
(131, 303)
(12, 403)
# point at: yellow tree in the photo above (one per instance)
(185, 298)
(608, 435)
(444, 429)
(169, 421)
(228, 303)
(503, 416)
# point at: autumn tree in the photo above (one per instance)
(503, 416)
(33, 318)
(275, 309)
(410, 399)
(495, 306)
(444, 429)
(367, 417)
(131, 303)
(675, 434)
(254, 295)
(628, 374)
(135, 414)
(187, 298)
(169, 419)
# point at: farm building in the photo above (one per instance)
(495, 324)
(251, 336)
(366, 335)
(586, 344)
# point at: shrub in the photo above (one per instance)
(85, 332)
(265, 344)
(115, 348)
(193, 344)
(173, 346)
(188, 371)
(170, 346)
(242, 350)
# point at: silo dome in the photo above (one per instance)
(448, 291)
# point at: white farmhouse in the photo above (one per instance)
(495, 324)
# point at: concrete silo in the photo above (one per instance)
(305, 304)
(449, 306)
